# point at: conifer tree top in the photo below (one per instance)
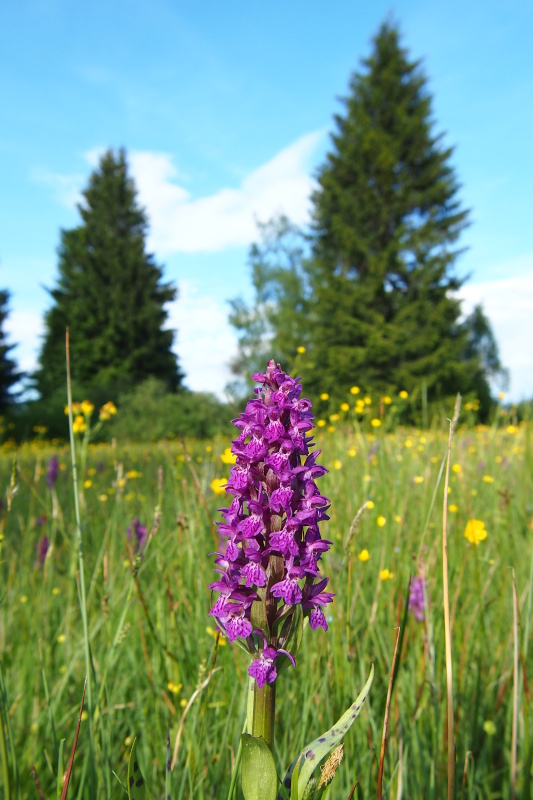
(109, 293)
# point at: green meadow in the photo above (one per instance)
(157, 663)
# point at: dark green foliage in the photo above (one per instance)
(375, 302)
(149, 413)
(109, 293)
(9, 375)
(146, 413)
(386, 218)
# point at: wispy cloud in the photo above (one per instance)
(205, 342)
(66, 188)
(181, 223)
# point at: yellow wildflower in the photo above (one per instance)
(387, 400)
(208, 449)
(337, 464)
(87, 408)
(88, 483)
(501, 395)
(352, 452)
(228, 457)
(385, 575)
(324, 396)
(512, 429)
(488, 726)
(418, 479)
(132, 474)
(488, 478)
(331, 428)
(355, 390)
(78, 426)
(381, 520)
(453, 508)
(334, 417)
(102, 498)
(370, 504)
(61, 638)
(321, 423)
(107, 411)
(218, 485)
(457, 468)
(397, 518)
(375, 423)
(75, 408)
(175, 688)
(475, 531)
(367, 401)
(345, 407)
(403, 394)
(364, 555)
(300, 349)
(408, 443)
(56, 590)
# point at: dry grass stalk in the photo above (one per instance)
(446, 605)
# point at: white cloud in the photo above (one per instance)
(180, 223)
(205, 342)
(24, 330)
(508, 303)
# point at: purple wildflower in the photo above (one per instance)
(269, 564)
(52, 472)
(138, 533)
(41, 549)
(417, 603)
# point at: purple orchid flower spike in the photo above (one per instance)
(270, 564)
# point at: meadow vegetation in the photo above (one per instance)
(147, 524)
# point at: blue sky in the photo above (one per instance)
(225, 110)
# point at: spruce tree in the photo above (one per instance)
(109, 293)
(385, 223)
(9, 375)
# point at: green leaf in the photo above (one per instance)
(137, 789)
(294, 779)
(259, 777)
(311, 755)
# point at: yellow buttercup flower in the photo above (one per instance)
(367, 401)
(228, 457)
(385, 575)
(488, 478)
(457, 468)
(337, 464)
(334, 417)
(355, 390)
(352, 452)
(370, 504)
(300, 349)
(475, 531)
(324, 396)
(453, 508)
(364, 555)
(87, 408)
(218, 485)
(381, 521)
(403, 394)
(418, 479)
(375, 423)
(321, 423)
(78, 426)
(345, 407)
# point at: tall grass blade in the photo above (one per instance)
(386, 721)
(74, 745)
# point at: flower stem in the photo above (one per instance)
(261, 710)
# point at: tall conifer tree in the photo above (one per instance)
(9, 374)
(109, 293)
(386, 222)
